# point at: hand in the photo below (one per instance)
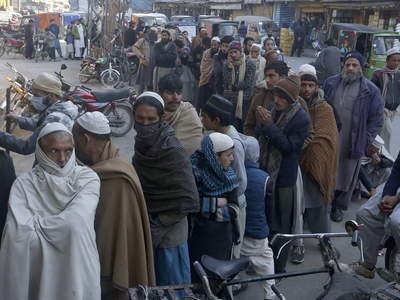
(222, 202)
(376, 159)
(372, 192)
(230, 62)
(230, 88)
(388, 203)
(12, 117)
(264, 115)
(299, 39)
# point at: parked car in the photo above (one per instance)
(258, 26)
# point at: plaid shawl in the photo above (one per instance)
(165, 173)
(215, 180)
(271, 157)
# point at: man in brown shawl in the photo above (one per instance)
(122, 227)
(180, 115)
(319, 161)
(198, 39)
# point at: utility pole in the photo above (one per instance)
(103, 26)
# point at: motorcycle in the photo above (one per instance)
(40, 47)
(16, 46)
(116, 104)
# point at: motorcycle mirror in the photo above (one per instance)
(351, 226)
(63, 66)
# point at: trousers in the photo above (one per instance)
(297, 45)
(58, 47)
(376, 224)
(386, 130)
(262, 260)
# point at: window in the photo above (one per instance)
(264, 26)
(228, 30)
(382, 44)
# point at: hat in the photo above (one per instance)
(185, 50)
(394, 50)
(215, 38)
(269, 52)
(47, 83)
(354, 54)
(235, 45)
(203, 29)
(153, 95)
(378, 142)
(308, 69)
(288, 88)
(154, 29)
(219, 104)
(221, 142)
(94, 122)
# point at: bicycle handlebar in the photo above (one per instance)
(307, 236)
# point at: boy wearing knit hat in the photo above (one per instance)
(238, 80)
(46, 88)
(284, 130)
(359, 104)
(387, 80)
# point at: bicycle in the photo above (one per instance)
(217, 275)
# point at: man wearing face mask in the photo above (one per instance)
(165, 55)
(47, 89)
(206, 87)
(162, 164)
(186, 75)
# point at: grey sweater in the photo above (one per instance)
(50, 37)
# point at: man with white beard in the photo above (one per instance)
(359, 104)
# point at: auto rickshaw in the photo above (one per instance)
(372, 43)
(182, 18)
(41, 21)
(257, 27)
(220, 28)
(148, 20)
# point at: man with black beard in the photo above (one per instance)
(165, 55)
(162, 164)
(219, 61)
(206, 86)
(359, 105)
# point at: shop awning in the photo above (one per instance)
(226, 6)
(365, 5)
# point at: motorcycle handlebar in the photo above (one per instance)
(86, 88)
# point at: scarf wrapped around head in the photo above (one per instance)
(215, 180)
(45, 163)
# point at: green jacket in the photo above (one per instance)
(75, 31)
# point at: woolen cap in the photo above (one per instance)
(354, 54)
(94, 122)
(219, 104)
(307, 69)
(235, 46)
(394, 50)
(47, 83)
(221, 142)
(288, 88)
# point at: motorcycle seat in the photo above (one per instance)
(90, 58)
(224, 269)
(111, 95)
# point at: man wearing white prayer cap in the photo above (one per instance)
(162, 164)
(376, 167)
(49, 249)
(122, 227)
(387, 80)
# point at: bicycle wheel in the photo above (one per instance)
(37, 55)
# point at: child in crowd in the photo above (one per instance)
(70, 46)
(214, 229)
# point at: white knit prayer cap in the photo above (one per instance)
(215, 38)
(307, 69)
(154, 29)
(94, 122)
(378, 142)
(221, 142)
(152, 94)
(394, 50)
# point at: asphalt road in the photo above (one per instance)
(300, 288)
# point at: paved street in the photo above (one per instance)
(306, 287)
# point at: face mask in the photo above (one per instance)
(184, 60)
(38, 103)
(146, 131)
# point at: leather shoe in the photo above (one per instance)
(336, 214)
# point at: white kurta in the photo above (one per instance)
(81, 42)
(48, 248)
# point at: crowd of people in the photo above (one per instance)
(76, 40)
(262, 151)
